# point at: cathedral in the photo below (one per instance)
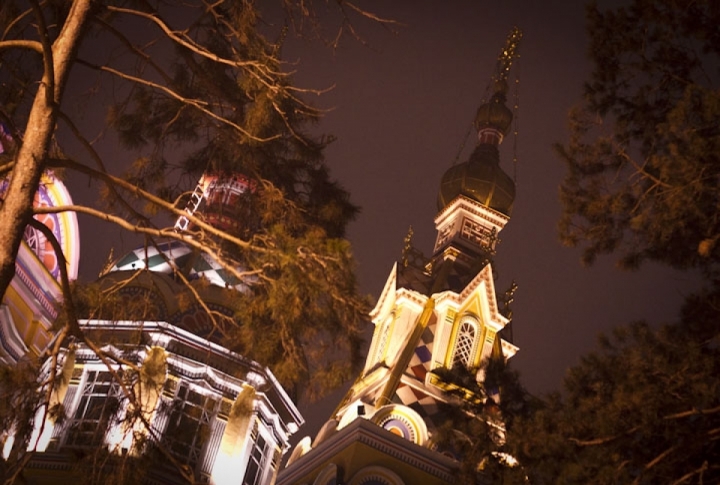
(225, 419)
(432, 314)
(219, 417)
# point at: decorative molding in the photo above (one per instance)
(462, 202)
(369, 434)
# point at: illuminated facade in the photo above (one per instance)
(432, 313)
(221, 418)
(165, 396)
(30, 304)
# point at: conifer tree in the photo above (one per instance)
(478, 419)
(642, 180)
(205, 90)
(644, 408)
(642, 159)
(196, 87)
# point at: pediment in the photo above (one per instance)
(479, 298)
(387, 298)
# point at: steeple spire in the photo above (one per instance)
(476, 197)
(507, 55)
(493, 118)
(441, 314)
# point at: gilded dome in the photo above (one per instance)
(480, 179)
(494, 114)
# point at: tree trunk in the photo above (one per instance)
(16, 208)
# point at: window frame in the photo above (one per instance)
(468, 359)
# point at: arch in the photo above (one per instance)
(328, 475)
(402, 421)
(463, 349)
(52, 192)
(465, 343)
(375, 475)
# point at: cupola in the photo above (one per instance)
(480, 178)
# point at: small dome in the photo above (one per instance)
(494, 114)
(480, 179)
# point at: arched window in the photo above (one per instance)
(465, 343)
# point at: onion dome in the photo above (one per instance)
(480, 179)
(494, 114)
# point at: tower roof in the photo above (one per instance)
(495, 114)
(480, 179)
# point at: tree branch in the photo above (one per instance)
(693, 412)
(155, 200)
(32, 45)
(99, 162)
(48, 54)
(169, 233)
(602, 441)
(196, 103)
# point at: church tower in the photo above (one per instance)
(435, 313)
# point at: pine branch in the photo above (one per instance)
(699, 471)
(98, 161)
(195, 103)
(657, 460)
(153, 199)
(259, 70)
(693, 412)
(147, 58)
(602, 441)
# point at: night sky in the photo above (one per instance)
(401, 109)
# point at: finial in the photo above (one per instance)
(504, 61)
(407, 247)
(493, 118)
(508, 299)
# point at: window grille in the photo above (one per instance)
(98, 406)
(465, 344)
(258, 457)
(189, 424)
